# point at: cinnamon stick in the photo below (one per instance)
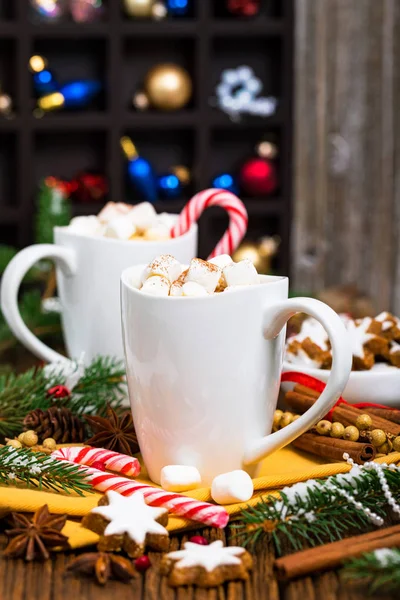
(298, 402)
(332, 555)
(302, 389)
(334, 448)
(391, 414)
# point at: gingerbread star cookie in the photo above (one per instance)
(127, 523)
(206, 566)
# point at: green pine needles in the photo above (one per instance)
(37, 470)
(100, 384)
(320, 511)
(378, 570)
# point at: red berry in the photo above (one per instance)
(142, 563)
(198, 539)
(98, 465)
(58, 391)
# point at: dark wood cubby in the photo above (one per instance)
(119, 51)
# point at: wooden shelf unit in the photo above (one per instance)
(205, 44)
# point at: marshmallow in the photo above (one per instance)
(143, 216)
(165, 265)
(241, 273)
(167, 220)
(86, 225)
(136, 277)
(120, 228)
(179, 478)
(235, 486)
(222, 261)
(157, 232)
(112, 210)
(204, 273)
(158, 285)
(192, 289)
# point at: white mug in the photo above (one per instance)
(88, 276)
(204, 374)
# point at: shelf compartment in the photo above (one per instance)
(140, 55)
(68, 154)
(269, 9)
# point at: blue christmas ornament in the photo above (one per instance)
(178, 8)
(169, 186)
(143, 179)
(78, 94)
(44, 82)
(225, 182)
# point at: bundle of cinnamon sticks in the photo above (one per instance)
(334, 554)
(387, 420)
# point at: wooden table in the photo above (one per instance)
(48, 581)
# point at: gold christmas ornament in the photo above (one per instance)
(337, 430)
(139, 9)
(324, 427)
(351, 433)
(277, 419)
(260, 253)
(168, 86)
(14, 444)
(51, 101)
(159, 11)
(141, 101)
(37, 63)
(182, 173)
(30, 438)
(286, 419)
(363, 422)
(5, 104)
(267, 150)
(378, 437)
(49, 444)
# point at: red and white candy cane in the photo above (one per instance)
(177, 504)
(235, 208)
(113, 461)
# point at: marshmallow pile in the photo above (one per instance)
(125, 222)
(166, 276)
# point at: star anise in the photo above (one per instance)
(114, 432)
(31, 538)
(103, 566)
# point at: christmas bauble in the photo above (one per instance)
(168, 86)
(243, 8)
(169, 186)
(140, 9)
(258, 177)
(85, 11)
(50, 10)
(225, 181)
(58, 391)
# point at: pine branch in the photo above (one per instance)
(103, 383)
(37, 470)
(317, 512)
(378, 570)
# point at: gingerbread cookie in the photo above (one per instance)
(394, 354)
(127, 523)
(310, 346)
(206, 566)
(389, 326)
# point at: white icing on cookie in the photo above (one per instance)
(358, 335)
(209, 557)
(388, 321)
(394, 348)
(130, 515)
(311, 328)
(301, 358)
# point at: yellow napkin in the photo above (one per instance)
(284, 467)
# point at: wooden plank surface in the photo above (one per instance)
(346, 226)
(48, 581)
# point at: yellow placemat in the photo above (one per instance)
(284, 467)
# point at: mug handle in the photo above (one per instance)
(11, 281)
(275, 318)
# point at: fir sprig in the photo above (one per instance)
(378, 570)
(102, 383)
(38, 470)
(319, 511)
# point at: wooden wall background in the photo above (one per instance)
(346, 226)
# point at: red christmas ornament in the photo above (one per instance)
(243, 8)
(198, 539)
(142, 563)
(58, 391)
(258, 177)
(98, 465)
(89, 187)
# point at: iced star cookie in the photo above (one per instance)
(389, 326)
(310, 346)
(128, 523)
(206, 566)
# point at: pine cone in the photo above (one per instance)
(58, 423)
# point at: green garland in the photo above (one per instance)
(378, 570)
(102, 383)
(320, 511)
(37, 470)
